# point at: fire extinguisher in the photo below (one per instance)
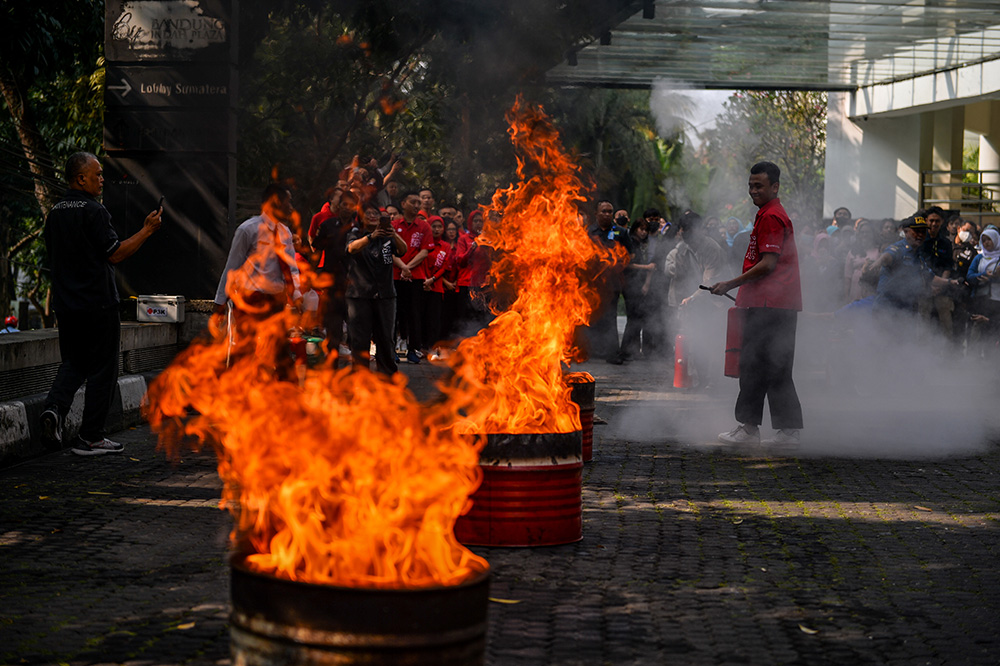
(682, 373)
(734, 340)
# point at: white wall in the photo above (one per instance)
(872, 165)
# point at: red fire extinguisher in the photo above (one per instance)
(734, 341)
(682, 373)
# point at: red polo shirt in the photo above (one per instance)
(772, 232)
(418, 237)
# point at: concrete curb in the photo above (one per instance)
(21, 435)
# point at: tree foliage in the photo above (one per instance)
(614, 134)
(51, 80)
(335, 79)
(784, 127)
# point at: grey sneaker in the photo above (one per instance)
(51, 423)
(81, 447)
(741, 434)
(785, 437)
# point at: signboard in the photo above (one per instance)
(170, 86)
(170, 129)
(175, 30)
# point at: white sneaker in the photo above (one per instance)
(82, 447)
(741, 434)
(785, 437)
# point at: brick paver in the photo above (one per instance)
(692, 553)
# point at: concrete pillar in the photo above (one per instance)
(989, 154)
(948, 136)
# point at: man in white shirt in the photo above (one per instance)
(261, 275)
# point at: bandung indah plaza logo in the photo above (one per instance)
(170, 25)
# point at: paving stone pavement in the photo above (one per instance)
(841, 553)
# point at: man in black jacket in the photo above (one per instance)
(371, 293)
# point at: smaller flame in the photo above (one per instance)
(509, 377)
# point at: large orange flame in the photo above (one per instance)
(332, 477)
(541, 253)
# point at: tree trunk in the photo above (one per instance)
(6, 274)
(33, 144)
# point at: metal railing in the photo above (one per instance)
(978, 192)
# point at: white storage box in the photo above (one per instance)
(160, 309)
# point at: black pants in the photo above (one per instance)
(371, 320)
(409, 310)
(433, 303)
(603, 333)
(766, 359)
(89, 347)
(634, 337)
(451, 311)
(334, 315)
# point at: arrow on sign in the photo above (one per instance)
(125, 87)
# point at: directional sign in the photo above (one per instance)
(125, 87)
(176, 86)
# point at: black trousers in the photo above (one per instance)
(433, 304)
(635, 312)
(371, 320)
(409, 311)
(89, 347)
(603, 333)
(766, 359)
(334, 315)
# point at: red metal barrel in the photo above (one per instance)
(734, 341)
(582, 391)
(530, 495)
(278, 622)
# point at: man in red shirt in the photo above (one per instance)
(409, 273)
(772, 295)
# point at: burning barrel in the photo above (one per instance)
(530, 494)
(583, 389)
(278, 621)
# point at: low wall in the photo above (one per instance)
(28, 364)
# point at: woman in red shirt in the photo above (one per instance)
(436, 265)
(451, 308)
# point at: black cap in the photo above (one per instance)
(914, 222)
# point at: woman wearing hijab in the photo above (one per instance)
(985, 305)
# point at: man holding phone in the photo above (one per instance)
(83, 249)
(371, 294)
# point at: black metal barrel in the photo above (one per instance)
(276, 621)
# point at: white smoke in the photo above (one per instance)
(899, 392)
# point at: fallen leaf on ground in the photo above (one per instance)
(189, 625)
(96, 492)
(807, 630)
(921, 508)
(505, 601)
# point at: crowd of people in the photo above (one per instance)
(935, 265)
(404, 274)
(394, 273)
